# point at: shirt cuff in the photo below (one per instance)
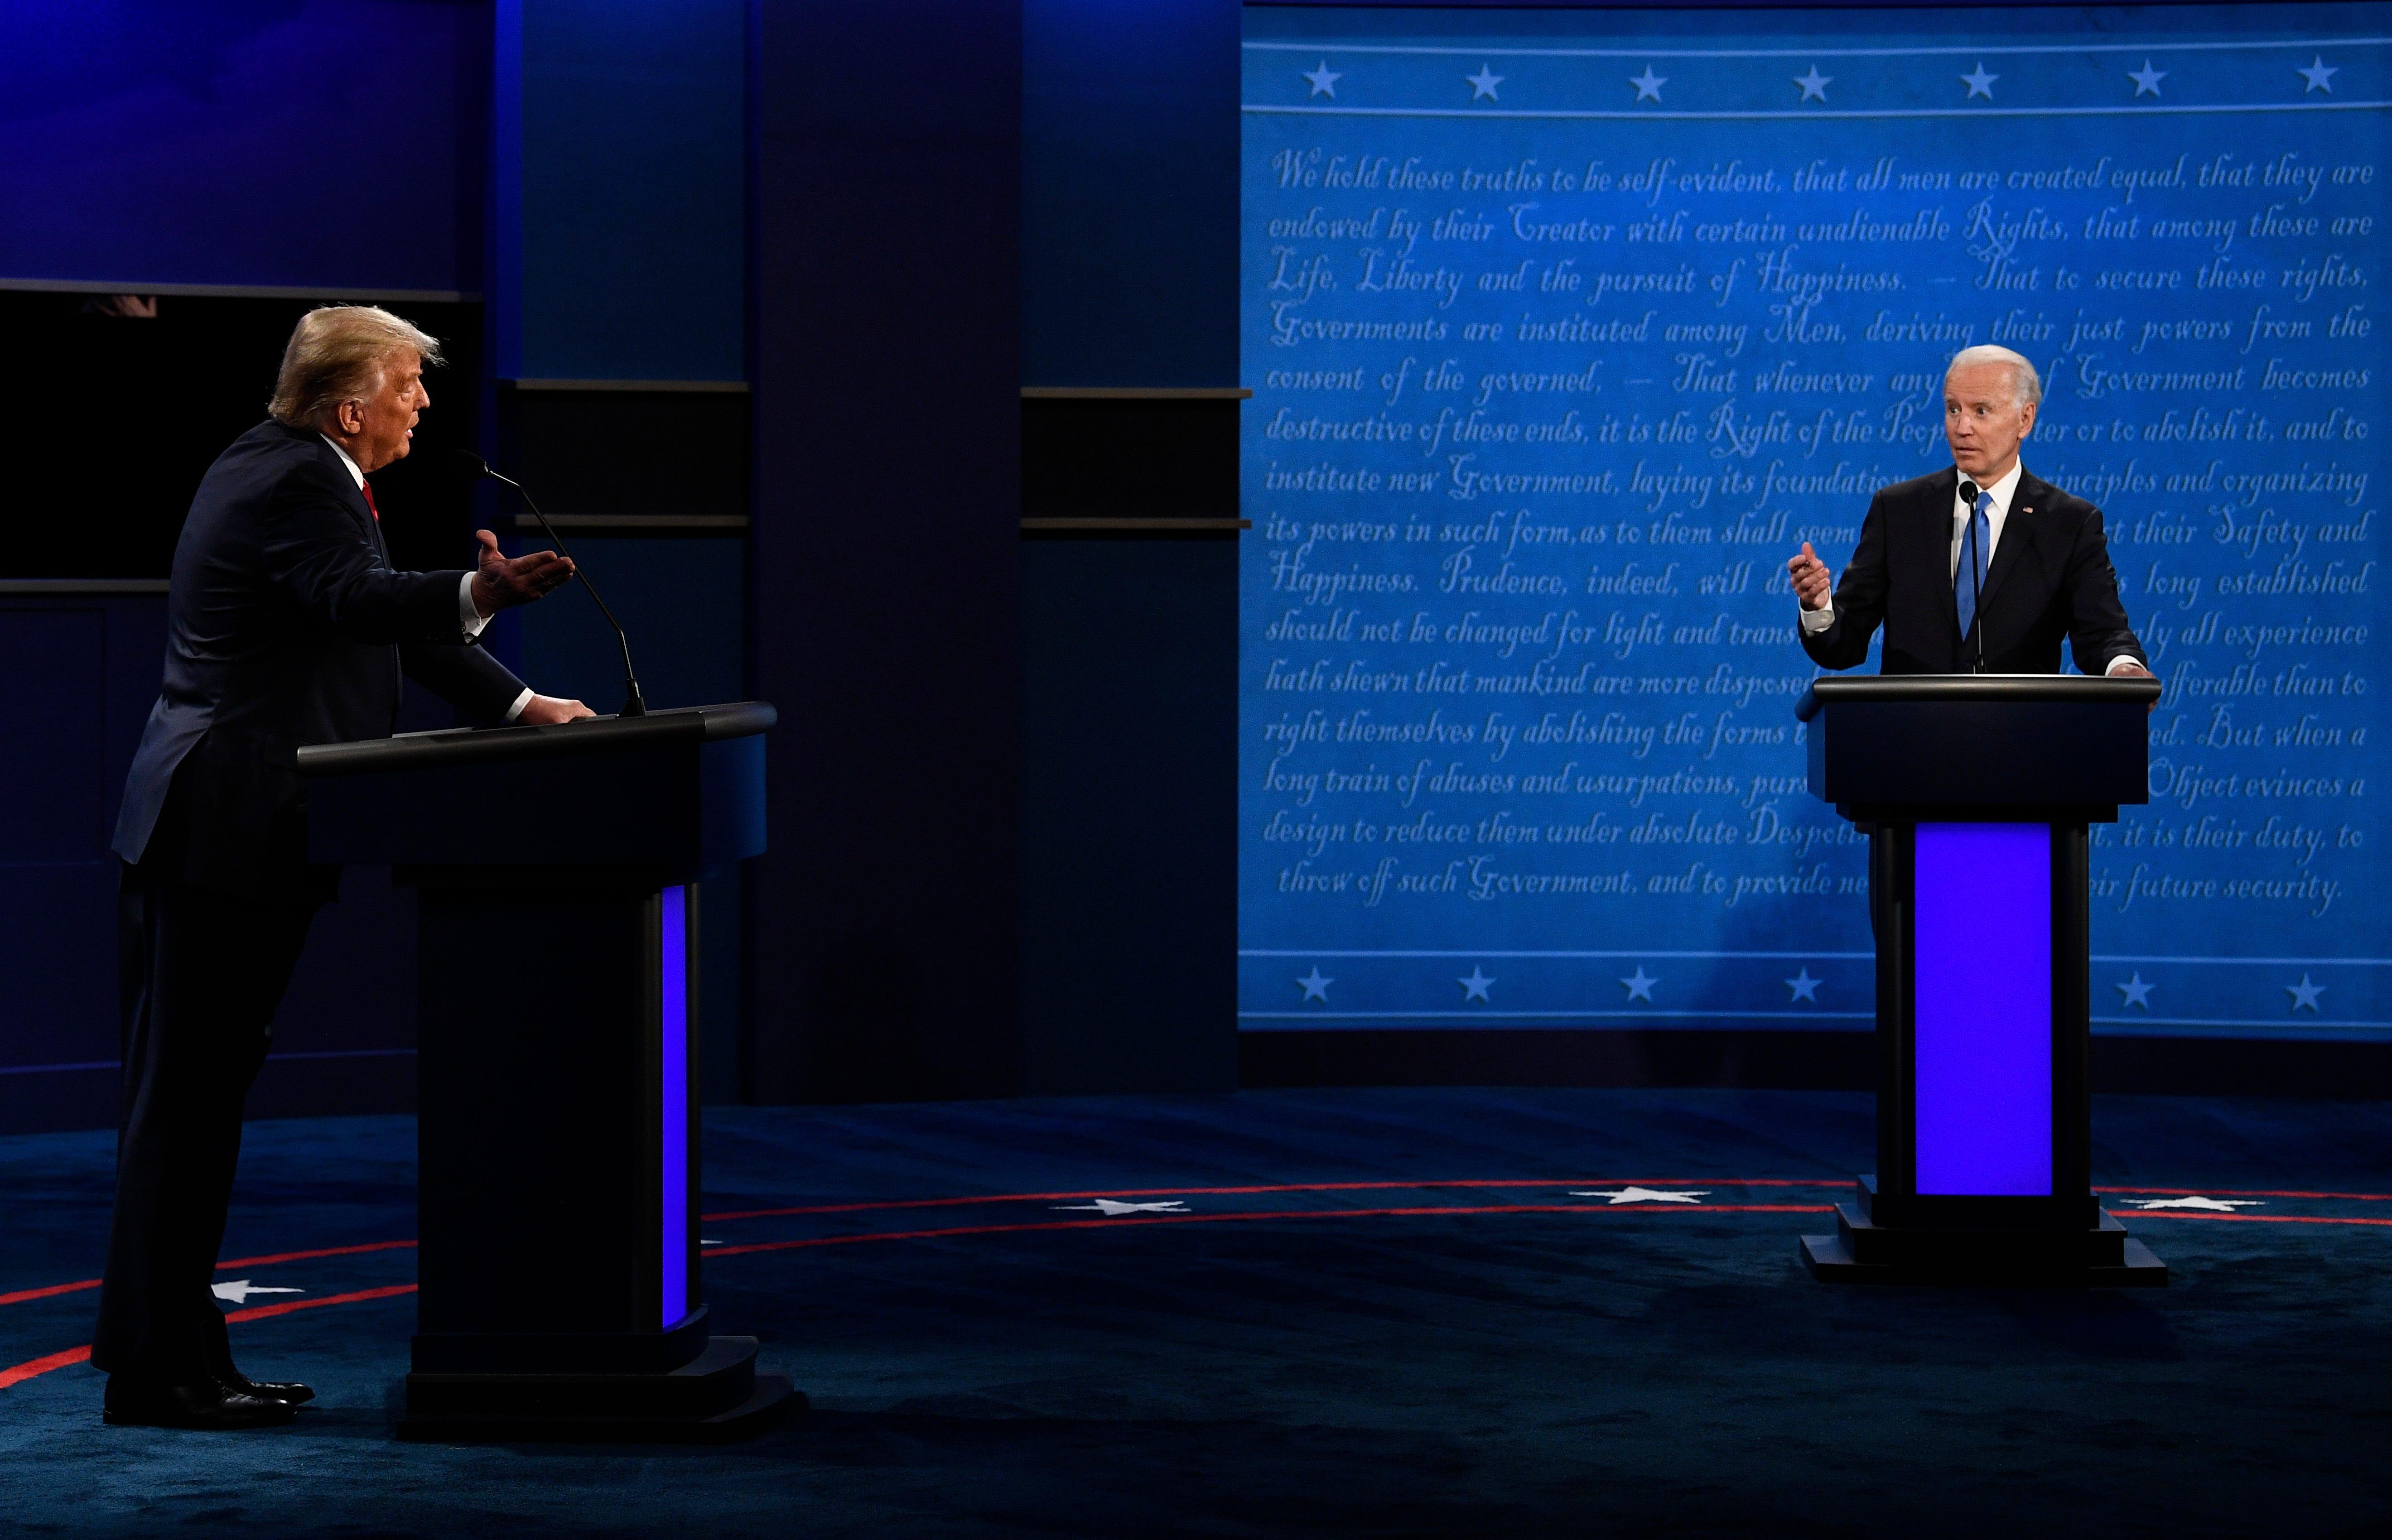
(516, 711)
(1815, 621)
(472, 618)
(2121, 660)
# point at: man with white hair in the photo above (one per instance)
(286, 625)
(1979, 568)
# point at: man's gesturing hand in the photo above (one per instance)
(502, 581)
(1809, 575)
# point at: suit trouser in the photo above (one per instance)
(200, 976)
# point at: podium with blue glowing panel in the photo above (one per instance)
(1979, 792)
(554, 869)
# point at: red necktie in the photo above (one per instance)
(367, 487)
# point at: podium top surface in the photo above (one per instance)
(482, 746)
(1983, 689)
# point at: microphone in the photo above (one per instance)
(1968, 494)
(632, 705)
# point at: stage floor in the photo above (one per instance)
(1386, 1313)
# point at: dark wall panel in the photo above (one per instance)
(887, 171)
(219, 142)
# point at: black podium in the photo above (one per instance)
(1978, 792)
(558, 1126)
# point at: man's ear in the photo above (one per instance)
(2026, 419)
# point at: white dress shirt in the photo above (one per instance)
(468, 615)
(1996, 516)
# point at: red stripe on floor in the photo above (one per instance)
(2257, 1219)
(1283, 1213)
(260, 1312)
(24, 1294)
(2247, 1192)
(18, 1374)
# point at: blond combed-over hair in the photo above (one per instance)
(337, 353)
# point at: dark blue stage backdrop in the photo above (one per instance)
(1566, 328)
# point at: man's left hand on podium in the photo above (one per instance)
(547, 711)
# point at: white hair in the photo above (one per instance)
(2029, 384)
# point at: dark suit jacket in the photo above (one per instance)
(2051, 579)
(285, 626)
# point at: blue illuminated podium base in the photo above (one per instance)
(2100, 1256)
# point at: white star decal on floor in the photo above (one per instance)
(1980, 84)
(1814, 84)
(2206, 1205)
(2304, 993)
(1483, 84)
(1475, 987)
(1648, 85)
(1113, 1208)
(2147, 79)
(1649, 1194)
(1804, 986)
(2320, 75)
(1324, 80)
(239, 1289)
(1640, 984)
(2137, 992)
(1315, 986)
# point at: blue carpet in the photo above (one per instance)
(1316, 1357)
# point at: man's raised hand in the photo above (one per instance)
(502, 581)
(1809, 575)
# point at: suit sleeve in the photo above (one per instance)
(2097, 617)
(478, 685)
(1859, 601)
(313, 551)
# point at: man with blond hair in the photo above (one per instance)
(286, 626)
(1982, 567)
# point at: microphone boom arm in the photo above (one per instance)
(633, 706)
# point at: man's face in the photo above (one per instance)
(380, 427)
(1983, 418)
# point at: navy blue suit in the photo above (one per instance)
(2050, 581)
(286, 626)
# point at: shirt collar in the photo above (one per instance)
(355, 474)
(2002, 490)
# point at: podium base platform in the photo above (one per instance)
(716, 1397)
(1982, 1259)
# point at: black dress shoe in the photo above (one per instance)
(134, 1404)
(287, 1391)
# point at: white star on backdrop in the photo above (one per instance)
(1814, 84)
(2208, 1205)
(2137, 992)
(2320, 75)
(1483, 84)
(1980, 84)
(2147, 79)
(1112, 1208)
(1648, 85)
(1475, 987)
(1324, 80)
(239, 1289)
(1804, 986)
(1640, 985)
(1315, 986)
(1648, 1194)
(2304, 993)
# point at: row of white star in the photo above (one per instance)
(2318, 75)
(1113, 1208)
(1639, 985)
(2138, 992)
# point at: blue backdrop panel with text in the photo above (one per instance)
(1566, 329)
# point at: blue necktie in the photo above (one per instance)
(1975, 546)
